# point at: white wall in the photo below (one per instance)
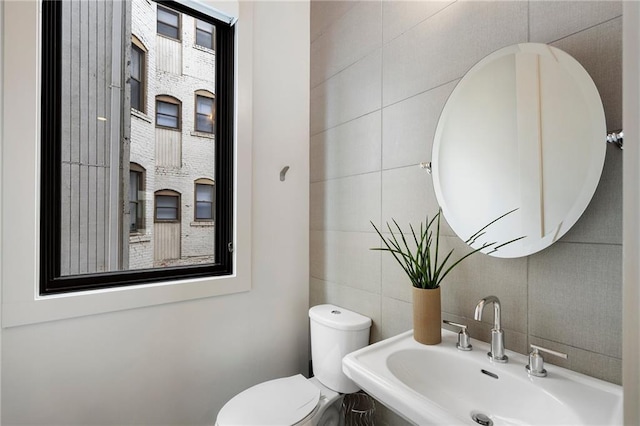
(179, 363)
(1, 139)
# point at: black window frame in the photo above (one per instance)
(50, 279)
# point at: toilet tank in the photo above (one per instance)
(336, 332)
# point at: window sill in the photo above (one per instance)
(137, 238)
(202, 134)
(78, 304)
(141, 115)
(173, 129)
(204, 49)
(202, 224)
(177, 40)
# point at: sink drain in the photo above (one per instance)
(481, 419)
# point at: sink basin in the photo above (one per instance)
(441, 385)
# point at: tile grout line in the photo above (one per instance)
(382, 107)
(382, 42)
(382, 170)
(584, 29)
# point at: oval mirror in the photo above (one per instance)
(524, 129)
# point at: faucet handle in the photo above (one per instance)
(463, 336)
(536, 362)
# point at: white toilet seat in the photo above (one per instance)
(291, 400)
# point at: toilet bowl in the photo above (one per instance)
(297, 400)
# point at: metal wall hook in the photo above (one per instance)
(283, 173)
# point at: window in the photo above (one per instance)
(204, 34)
(168, 23)
(168, 112)
(167, 206)
(136, 198)
(92, 180)
(138, 71)
(205, 111)
(204, 200)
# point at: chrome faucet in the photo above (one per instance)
(497, 335)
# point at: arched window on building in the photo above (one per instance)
(168, 110)
(138, 75)
(166, 230)
(204, 200)
(167, 206)
(137, 177)
(205, 111)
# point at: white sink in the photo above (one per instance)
(441, 385)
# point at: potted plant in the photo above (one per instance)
(426, 268)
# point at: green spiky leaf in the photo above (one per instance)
(423, 264)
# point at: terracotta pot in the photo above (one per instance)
(427, 316)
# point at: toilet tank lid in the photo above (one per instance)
(339, 318)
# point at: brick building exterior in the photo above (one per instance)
(176, 72)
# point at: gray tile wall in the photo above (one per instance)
(381, 73)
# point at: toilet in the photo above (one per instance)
(297, 400)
